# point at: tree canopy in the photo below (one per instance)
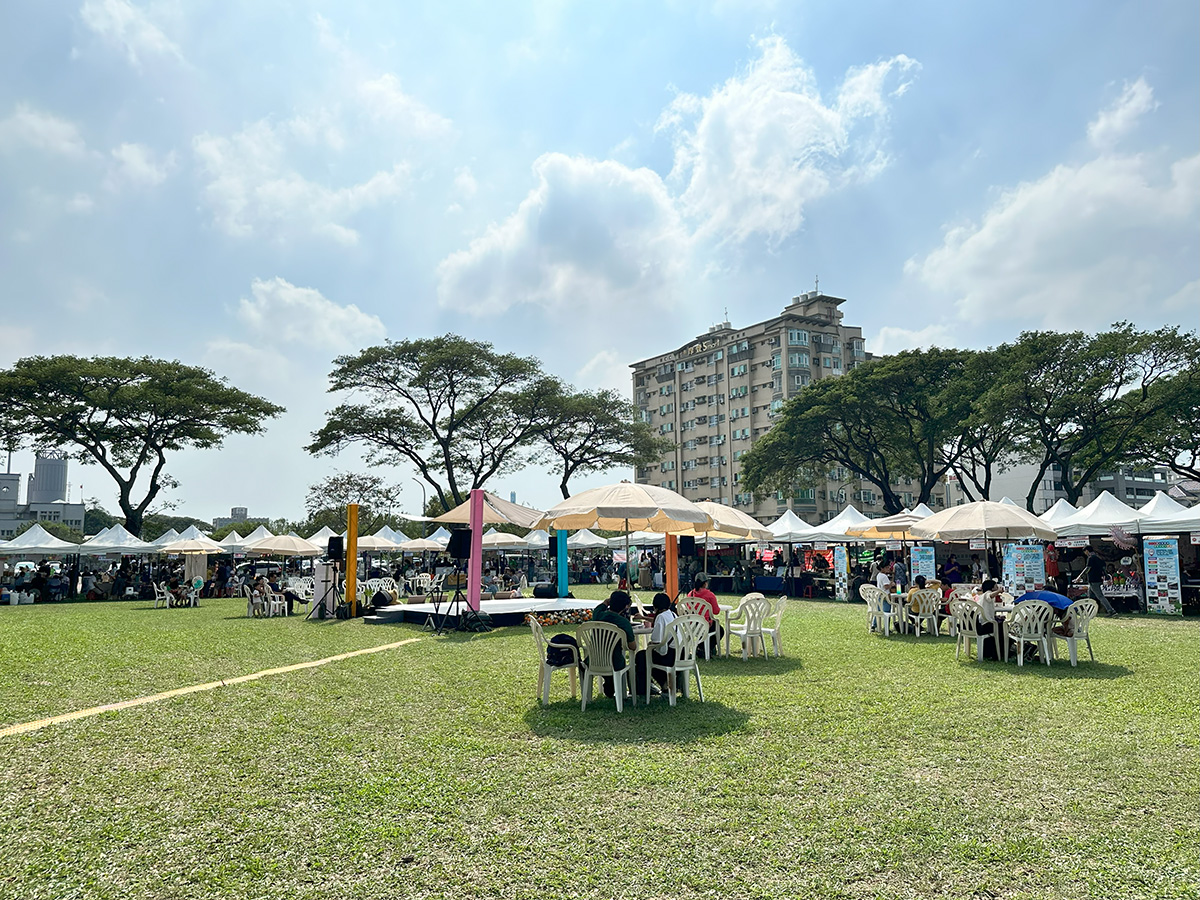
(461, 413)
(127, 416)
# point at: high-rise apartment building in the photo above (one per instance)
(717, 394)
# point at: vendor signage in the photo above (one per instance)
(820, 545)
(1195, 538)
(1072, 542)
(1163, 595)
(1024, 568)
(978, 543)
(841, 573)
(922, 562)
(895, 545)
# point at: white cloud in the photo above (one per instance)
(464, 183)
(385, 102)
(893, 339)
(138, 166)
(81, 204)
(38, 130)
(1082, 246)
(282, 312)
(1113, 123)
(755, 151)
(591, 233)
(607, 369)
(128, 28)
(253, 188)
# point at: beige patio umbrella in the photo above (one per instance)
(893, 528)
(284, 545)
(728, 524)
(193, 545)
(983, 519)
(624, 507)
(499, 540)
(417, 545)
(375, 542)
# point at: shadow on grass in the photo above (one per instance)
(1061, 670)
(734, 665)
(686, 722)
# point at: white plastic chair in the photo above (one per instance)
(686, 633)
(776, 631)
(597, 642)
(1030, 621)
(1079, 616)
(161, 595)
(924, 608)
(422, 582)
(965, 614)
(275, 603)
(750, 614)
(961, 590)
(545, 667)
(254, 604)
(878, 618)
(697, 606)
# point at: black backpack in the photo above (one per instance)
(557, 653)
(475, 621)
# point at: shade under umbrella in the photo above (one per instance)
(284, 545)
(983, 519)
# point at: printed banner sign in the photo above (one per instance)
(1163, 595)
(1072, 542)
(841, 573)
(978, 543)
(1195, 538)
(618, 556)
(894, 545)
(1024, 568)
(922, 562)
(820, 545)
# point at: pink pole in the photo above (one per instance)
(475, 563)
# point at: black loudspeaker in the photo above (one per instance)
(460, 545)
(553, 548)
(336, 549)
(687, 545)
(545, 591)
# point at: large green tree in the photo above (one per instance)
(127, 416)
(1085, 403)
(1171, 437)
(456, 410)
(895, 417)
(592, 431)
(327, 500)
(982, 447)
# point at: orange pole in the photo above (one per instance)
(352, 557)
(671, 565)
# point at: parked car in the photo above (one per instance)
(256, 567)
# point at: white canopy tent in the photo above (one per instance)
(1162, 506)
(585, 540)
(922, 510)
(321, 537)
(834, 531)
(1184, 520)
(117, 540)
(538, 539)
(37, 541)
(260, 533)
(100, 533)
(1008, 501)
(1058, 513)
(166, 537)
(441, 537)
(789, 528)
(501, 540)
(191, 533)
(232, 542)
(1099, 517)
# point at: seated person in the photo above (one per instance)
(615, 611)
(665, 655)
(715, 629)
(986, 596)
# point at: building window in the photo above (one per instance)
(666, 427)
(798, 360)
(801, 380)
(797, 337)
(837, 364)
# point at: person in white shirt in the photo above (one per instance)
(662, 643)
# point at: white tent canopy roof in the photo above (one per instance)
(790, 528)
(835, 528)
(1099, 518)
(537, 540)
(37, 541)
(1058, 513)
(1162, 505)
(166, 537)
(192, 546)
(117, 540)
(1009, 501)
(441, 537)
(258, 534)
(232, 541)
(191, 533)
(585, 540)
(322, 535)
(100, 533)
(922, 510)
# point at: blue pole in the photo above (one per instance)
(561, 537)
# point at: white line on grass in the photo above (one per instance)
(37, 725)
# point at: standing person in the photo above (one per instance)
(1094, 569)
(1052, 571)
(953, 574)
(900, 574)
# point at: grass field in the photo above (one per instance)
(854, 767)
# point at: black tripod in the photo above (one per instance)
(437, 619)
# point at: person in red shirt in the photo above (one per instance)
(711, 615)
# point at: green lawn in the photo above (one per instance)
(854, 767)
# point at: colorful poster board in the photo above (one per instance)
(1163, 595)
(922, 562)
(1024, 568)
(841, 573)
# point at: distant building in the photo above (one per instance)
(720, 392)
(45, 497)
(238, 514)
(1132, 486)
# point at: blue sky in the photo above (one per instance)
(259, 187)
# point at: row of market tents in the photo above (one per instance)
(1161, 515)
